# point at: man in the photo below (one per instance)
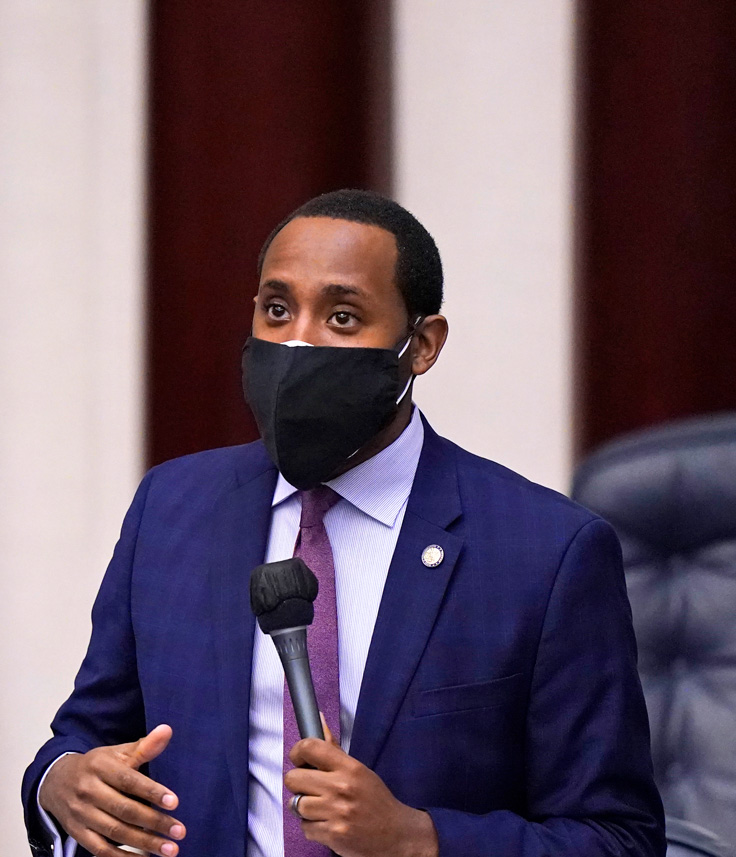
(488, 697)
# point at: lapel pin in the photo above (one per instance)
(432, 556)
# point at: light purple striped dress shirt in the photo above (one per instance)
(363, 529)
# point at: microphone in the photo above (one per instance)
(282, 596)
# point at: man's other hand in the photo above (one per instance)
(348, 808)
(96, 796)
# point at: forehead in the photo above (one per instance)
(332, 250)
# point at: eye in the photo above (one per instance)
(276, 311)
(343, 318)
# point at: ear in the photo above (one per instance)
(427, 343)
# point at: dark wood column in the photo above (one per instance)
(254, 108)
(656, 216)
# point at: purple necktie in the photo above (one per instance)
(313, 546)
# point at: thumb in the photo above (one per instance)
(152, 745)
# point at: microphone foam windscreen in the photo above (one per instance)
(292, 613)
(281, 594)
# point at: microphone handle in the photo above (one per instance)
(291, 644)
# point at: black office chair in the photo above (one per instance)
(670, 493)
(688, 840)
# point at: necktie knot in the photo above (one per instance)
(315, 504)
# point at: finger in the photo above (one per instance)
(311, 808)
(126, 834)
(131, 782)
(318, 754)
(329, 737)
(96, 844)
(137, 814)
(152, 745)
(307, 782)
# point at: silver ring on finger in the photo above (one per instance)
(294, 806)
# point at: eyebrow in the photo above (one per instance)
(337, 289)
(331, 289)
(276, 285)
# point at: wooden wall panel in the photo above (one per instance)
(656, 216)
(254, 108)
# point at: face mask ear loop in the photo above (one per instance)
(419, 319)
(413, 328)
(406, 345)
(406, 389)
(401, 354)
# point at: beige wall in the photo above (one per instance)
(483, 121)
(71, 150)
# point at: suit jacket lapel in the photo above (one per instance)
(242, 520)
(411, 598)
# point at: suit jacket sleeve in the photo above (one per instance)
(590, 791)
(105, 706)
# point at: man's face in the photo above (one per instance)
(331, 282)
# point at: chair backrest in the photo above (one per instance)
(689, 840)
(670, 493)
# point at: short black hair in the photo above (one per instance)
(418, 265)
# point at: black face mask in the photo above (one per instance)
(317, 406)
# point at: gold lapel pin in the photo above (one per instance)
(432, 556)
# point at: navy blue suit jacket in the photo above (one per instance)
(500, 692)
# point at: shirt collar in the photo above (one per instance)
(380, 486)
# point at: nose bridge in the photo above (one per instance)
(306, 327)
